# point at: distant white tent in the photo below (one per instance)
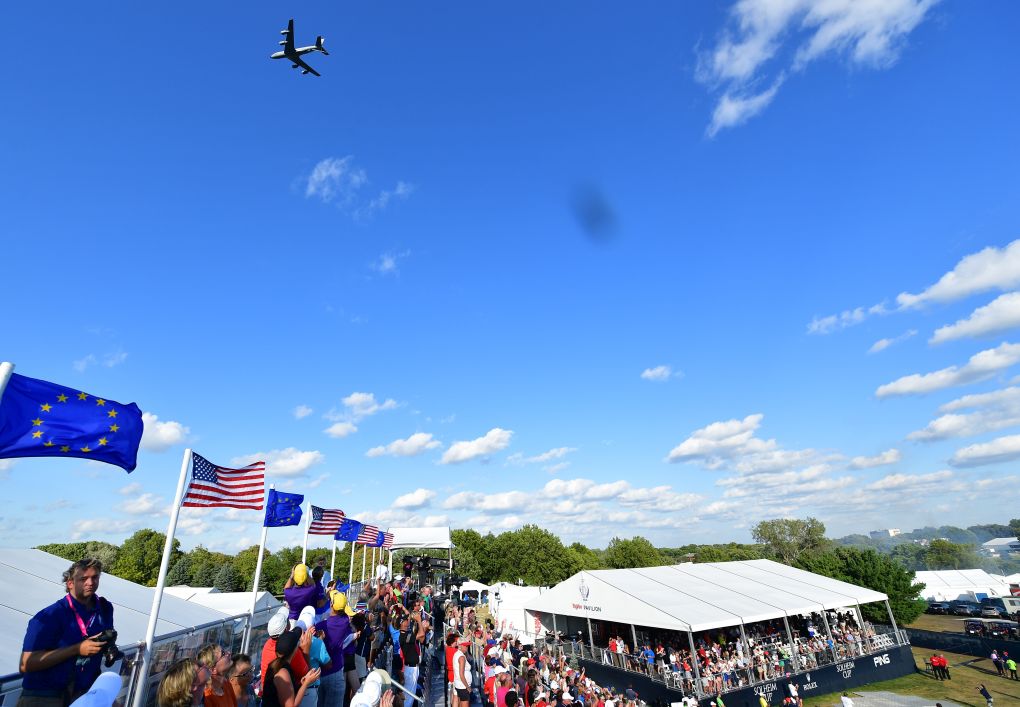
(507, 603)
(697, 597)
(948, 585)
(30, 581)
(473, 586)
(230, 603)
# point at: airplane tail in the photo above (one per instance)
(319, 44)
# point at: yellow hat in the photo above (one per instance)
(300, 574)
(339, 603)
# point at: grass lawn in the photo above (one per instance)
(966, 672)
(939, 622)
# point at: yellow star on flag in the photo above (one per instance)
(83, 396)
(36, 422)
(65, 448)
(114, 427)
(86, 448)
(102, 441)
(62, 398)
(100, 401)
(46, 407)
(48, 444)
(37, 434)
(112, 413)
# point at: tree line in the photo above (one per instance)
(535, 556)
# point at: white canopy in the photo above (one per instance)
(697, 597)
(230, 603)
(473, 586)
(507, 604)
(30, 581)
(421, 538)
(947, 585)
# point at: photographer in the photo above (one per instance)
(412, 634)
(65, 643)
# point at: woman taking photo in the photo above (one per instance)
(278, 684)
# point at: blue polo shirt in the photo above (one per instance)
(56, 626)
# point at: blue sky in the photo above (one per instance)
(615, 270)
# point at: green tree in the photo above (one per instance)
(532, 554)
(1014, 527)
(585, 558)
(946, 555)
(104, 552)
(869, 568)
(140, 556)
(713, 553)
(986, 532)
(481, 548)
(244, 566)
(226, 579)
(909, 555)
(787, 539)
(180, 573)
(636, 552)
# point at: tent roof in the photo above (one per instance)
(230, 603)
(952, 583)
(698, 597)
(421, 538)
(30, 581)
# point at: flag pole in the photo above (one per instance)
(6, 370)
(141, 691)
(332, 561)
(350, 572)
(308, 523)
(373, 559)
(364, 557)
(255, 584)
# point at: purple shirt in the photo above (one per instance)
(300, 597)
(337, 628)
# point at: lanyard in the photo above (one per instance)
(81, 623)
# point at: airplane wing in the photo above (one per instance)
(289, 48)
(300, 62)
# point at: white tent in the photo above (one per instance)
(507, 603)
(30, 581)
(473, 586)
(697, 597)
(421, 538)
(230, 603)
(948, 585)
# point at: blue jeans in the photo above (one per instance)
(311, 698)
(410, 683)
(332, 689)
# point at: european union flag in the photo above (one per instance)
(43, 419)
(283, 509)
(379, 540)
(349, 530)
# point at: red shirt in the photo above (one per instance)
(298, 664)
(451, 651)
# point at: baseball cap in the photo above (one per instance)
(339, 603)
(278, 622)
(103, 691)
(307, 618)
(465, 642)
(288, 642)
(300, 574)
(499, 670)
(566, 697)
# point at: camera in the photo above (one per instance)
(110, 651)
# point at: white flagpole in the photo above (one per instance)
(255, 584)
(157, 594)
(6, 370)
(332, 561)
(364, 558)
(308, 523)
(373, 560)
(350, 572)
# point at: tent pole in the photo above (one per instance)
(793, 647)
(828, 632)
(694, 664)
(747, 646)
(891, 618)
(633, 634)
(591, 637)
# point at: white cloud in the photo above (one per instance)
(1001, 449)
(994, 411)
(910, 482)
(883, 344)
(159, 436)
(418, 498)
(401, 191)
(98, 527)
(721, 440)
(981, 366)
(889, 456)
(416, 444)
(302, 411)
(358, 406)
(388, 262)
(557, 453)
(82, 363)
(988, 269)
(659, 498)
(659, 373)
(145, 504)
(1001, 314)
(757, 45)
(339, 430)
(556, 468)
(493, 441)
(283, 462)
(848, 318)
(114, 359)
(131, 489)
(505, 502)
(336, 179)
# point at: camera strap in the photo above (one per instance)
(81, 622)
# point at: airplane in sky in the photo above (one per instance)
(294, 55)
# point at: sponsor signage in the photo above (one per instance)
(584, 590)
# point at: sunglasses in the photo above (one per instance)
(245, 674)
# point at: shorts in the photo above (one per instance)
(464, 695)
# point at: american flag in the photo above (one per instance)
(325, 521)
(387, 541)
(217, 486)
(369, 535)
